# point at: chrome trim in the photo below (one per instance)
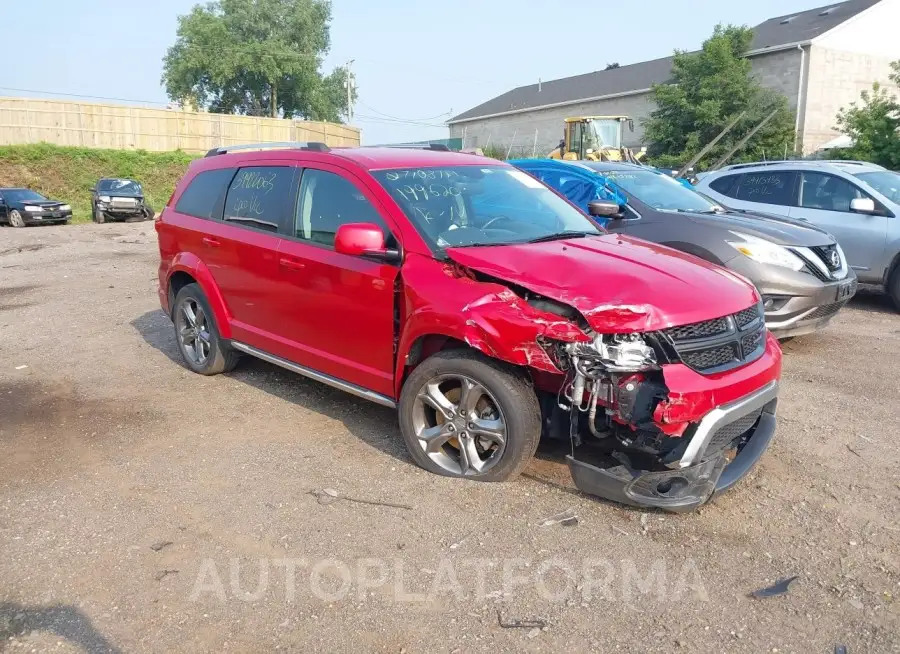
(334, 382)
(724, 415)
(813, 259)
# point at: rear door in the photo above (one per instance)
(337, 311)
(824, 200)
(257, 210)
(772, 191)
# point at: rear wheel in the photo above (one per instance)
(197, 335)
(465, 415)
(15, 219)
(893, 287)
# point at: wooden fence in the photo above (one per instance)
(90, 125)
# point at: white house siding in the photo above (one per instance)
(844, 63)
(519, 129)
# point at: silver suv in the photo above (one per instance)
(858, 202)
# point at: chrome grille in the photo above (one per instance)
(720, 344)
(828, 254)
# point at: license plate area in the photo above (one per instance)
(846, 290)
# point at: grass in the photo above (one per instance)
(69, 174)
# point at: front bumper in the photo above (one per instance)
(38, 217)
(746, 424)
(800, 303)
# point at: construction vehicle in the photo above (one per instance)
(596, 138)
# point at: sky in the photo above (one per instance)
(416, 62)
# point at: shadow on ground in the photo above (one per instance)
(66, 622)
(373, 424)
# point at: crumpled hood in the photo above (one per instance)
(778, 229)
(618, 283)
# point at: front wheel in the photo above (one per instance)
(465, 415)
(15, 219)
(893, 288)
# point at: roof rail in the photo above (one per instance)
(313, 146)
(440, 147)
(801, 162)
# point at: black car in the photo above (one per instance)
(116, 198)
(22, 206)
(800, 270)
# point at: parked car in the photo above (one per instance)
(798, 269)
(479, 303)
(22, 206)
(857, 202)
(119, 199)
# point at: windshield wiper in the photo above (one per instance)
(558, 236)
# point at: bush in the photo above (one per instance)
(69, 174)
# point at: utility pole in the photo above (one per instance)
(350, 86)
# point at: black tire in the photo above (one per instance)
(513, 393)
(15, 219)
(99, 216)
(221, 357)
(148, 212)
(893, 288)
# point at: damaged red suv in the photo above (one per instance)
(482, 305)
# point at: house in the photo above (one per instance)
(820, 59)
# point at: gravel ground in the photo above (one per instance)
(146, 508)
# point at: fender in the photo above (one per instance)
(697, 250)
(193, 266)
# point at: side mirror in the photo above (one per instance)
(363, 240)
(604, 209)
(862, 205)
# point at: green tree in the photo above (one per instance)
(256, 57)
(874, 125)
(707, 91)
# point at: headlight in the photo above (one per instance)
(65, 207)
(31, 208)
(765, 251)
(617, 352)
(103, 198)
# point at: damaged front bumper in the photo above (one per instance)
(746, 425)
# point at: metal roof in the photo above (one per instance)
(790, 29)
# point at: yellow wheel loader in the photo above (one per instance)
(596, 138)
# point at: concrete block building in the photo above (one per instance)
(820, 59)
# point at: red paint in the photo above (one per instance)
(359, 319)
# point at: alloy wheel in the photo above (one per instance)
(193, 331)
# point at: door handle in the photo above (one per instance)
(211, 242)
(291, 264)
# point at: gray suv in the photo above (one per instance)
(857, 202)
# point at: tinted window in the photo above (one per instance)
(259, 197)
(204, 193)
(724, 185)
(23, 195)
(328, 201)
(766, 187)
(828, 192)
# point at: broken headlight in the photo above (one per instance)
(617, 352)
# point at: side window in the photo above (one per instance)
(767, 187)
(724, 185)
(828, 192)
(327, 201)
(203, 195)
(259, 197)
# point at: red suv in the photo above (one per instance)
(482, 305)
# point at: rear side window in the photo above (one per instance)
(260, 197)
(204, 194)
(766, 187)
(724, 185)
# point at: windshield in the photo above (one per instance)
(885, 182)
(119, 186)
(658, 191)
(481, 205)
(23, 195)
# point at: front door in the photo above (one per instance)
(825, 202)
(337, 310)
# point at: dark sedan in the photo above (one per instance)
(119, 199)
(22, 206)
(800, 270)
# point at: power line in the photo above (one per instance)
(380, 113)
(77, 95)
